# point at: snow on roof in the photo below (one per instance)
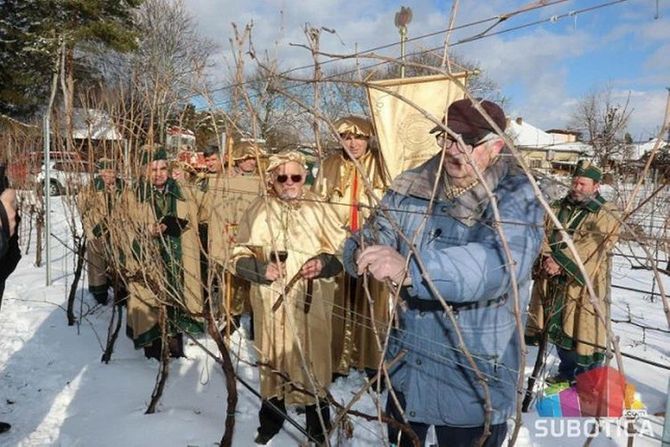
(576, 146)
(527, 136)
(639, 149)
(636, 151)
(93, 124)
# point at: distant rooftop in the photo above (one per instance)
(93, 124)
(527, 136)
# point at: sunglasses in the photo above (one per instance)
(283, 178)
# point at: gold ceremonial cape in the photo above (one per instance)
(224, 202)
(149, 283)
(563, 302)
(354, 340)
(304, 229)
(222, 207)
(337, 179)
(99, 212)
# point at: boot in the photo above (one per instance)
(251, 326)
(121, 297)
(370, 373)
(101, 298)
(4, 426)
(271, 418)
(176, 345)
(153, 351)
(262, 438)
(314, 425)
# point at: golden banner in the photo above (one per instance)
(402, 130)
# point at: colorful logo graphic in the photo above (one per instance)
(600, 392)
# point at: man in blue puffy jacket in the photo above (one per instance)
(459, 372)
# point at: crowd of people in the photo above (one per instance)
(416, 280)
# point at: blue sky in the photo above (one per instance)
(543, 69)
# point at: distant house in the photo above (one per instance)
(564, 135)
(94, 133)
(556, 152)
(633, 158)
(93, 124)
(661, 162)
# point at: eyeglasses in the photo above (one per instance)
(283, 178)
(472, 142)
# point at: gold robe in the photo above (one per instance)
(563, 301)
(150, 283)
(284, 337)
(355, 343)
(97, 209)
(224, 202)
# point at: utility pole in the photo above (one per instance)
(47, 192)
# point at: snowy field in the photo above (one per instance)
(55, 391)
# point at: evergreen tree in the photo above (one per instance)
(31, 32)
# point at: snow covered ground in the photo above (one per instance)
(55, 391)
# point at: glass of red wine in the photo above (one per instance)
(279, 255)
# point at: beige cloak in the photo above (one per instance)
(354, 340)
(294, 345)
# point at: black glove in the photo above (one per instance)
(174, 225)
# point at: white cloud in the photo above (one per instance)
(279, 23)
(647, 111)
(660, 60)
(526, 56)
(656, 30)
(537, 60)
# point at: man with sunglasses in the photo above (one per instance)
(455, 370)
(286, 246)
(352, 192)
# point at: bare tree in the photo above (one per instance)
(171, 55)
(167, 69)
(423, 62)
(263, 112)
(603, 121)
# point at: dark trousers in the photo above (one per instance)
(2, 291)
(568, 368)
(273, 412)
(447, 436)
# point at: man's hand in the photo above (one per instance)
(157, 229)
(383, 262)
(274, 271)
(311, 269)
(8, 198)
(550, 266)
